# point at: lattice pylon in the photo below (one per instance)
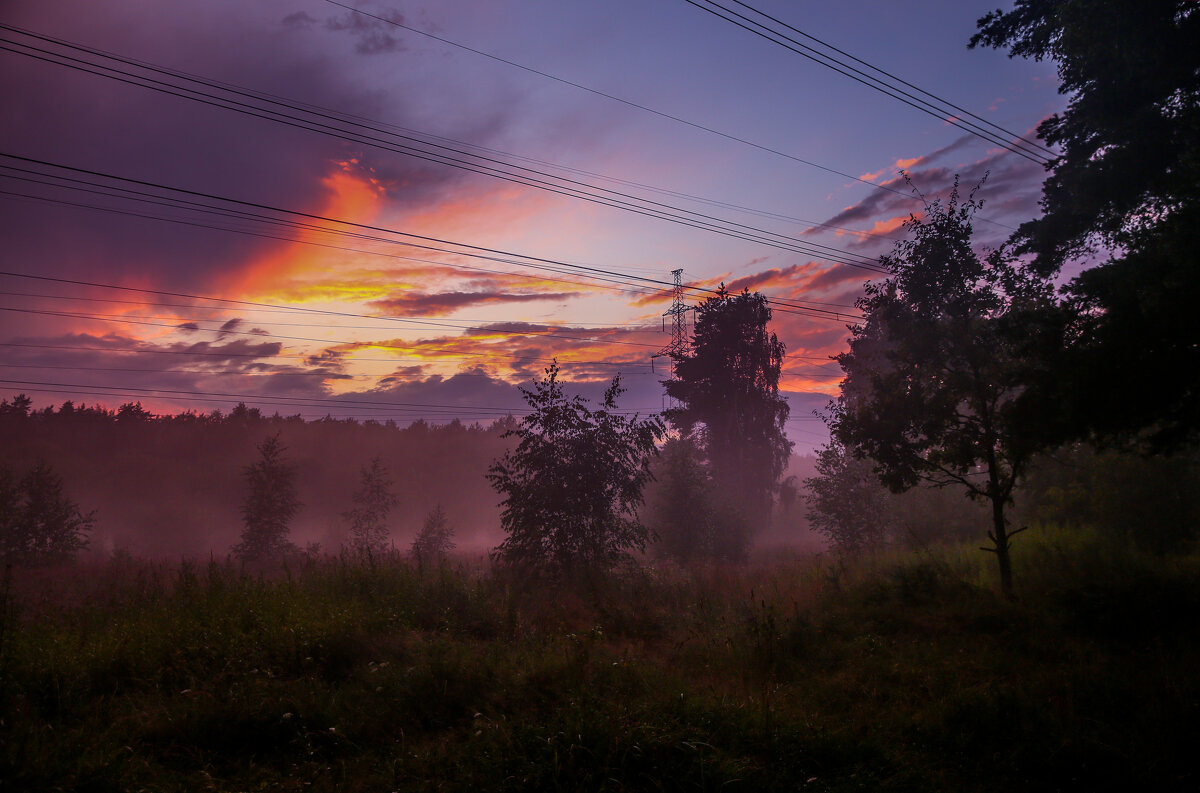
(678, 315)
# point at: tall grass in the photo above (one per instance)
(900, 672)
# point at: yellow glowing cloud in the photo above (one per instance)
(288, 270)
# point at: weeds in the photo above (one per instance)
(361, 674)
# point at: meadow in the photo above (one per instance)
(895, 672)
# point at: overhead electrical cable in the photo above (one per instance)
(804, 307)
(1020, 147)
(547, 334)
(423, 149)
(291, 309)
(414, 348)
(474, 251)
(614, 98)
(424, 137)
(453, 266)
(306, 401)
(209, 353)
(1033, 144)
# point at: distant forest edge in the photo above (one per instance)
(170, 485)
(174, 485)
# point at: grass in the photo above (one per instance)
(895, 673)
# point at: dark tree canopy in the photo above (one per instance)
(937, 378)
(846, 502)
(680, 508)
(573, 485)
(39, 524)
(1125, 190)
(435, 539)
(727, 386)
(373, 501)
(271, 503)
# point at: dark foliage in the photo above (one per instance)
(572, 486)
(39, 524)
(679, 507)
(937, 379)
(846, 502)
(373, 501)
(436, 538)
(727, 385)
(1125, 189)
(1153, 502)
(271, 503)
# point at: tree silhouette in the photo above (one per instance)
(270, 504)
(39, 524)
(372, 503)
(846, 502)
(679, 507)
(728, 388)
(937, 383)
(573, 484)
(1124, 191)
(436, 538)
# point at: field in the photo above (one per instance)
(904, 672)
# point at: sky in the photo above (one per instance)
(225, 201)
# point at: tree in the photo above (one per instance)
(39, 524)
(1125, 189)
(18, 408)
(271, 503)
(573, 484)
(372, 503)
(727, 385)
(436, 538)
(846, 502)
(937, 384)
(679, 506)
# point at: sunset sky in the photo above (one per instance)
(158, 245)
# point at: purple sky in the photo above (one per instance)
(458, 331)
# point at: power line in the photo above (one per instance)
(1020, 148)
(291, 309)
(409, 146)
(623, 285)
(313, 402)
(208, 353)
(473, 251)
(641, 107)
(424, 137)
(627, 102)
(219, 329)
(1024, 140)
(620, 285)
(413, 348)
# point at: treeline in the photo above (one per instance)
(175, 484)
(1152, 502)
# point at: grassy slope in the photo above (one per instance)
(897, 674)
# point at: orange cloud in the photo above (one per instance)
(891, 224)
(284, 271)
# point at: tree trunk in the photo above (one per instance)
(1000, 539)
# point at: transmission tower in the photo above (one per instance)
(678, 315)
(679, 342)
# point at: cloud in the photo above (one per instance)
(1014, 178)
(229, 326)
(372, 36)
(59, 115)
(416, 304)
